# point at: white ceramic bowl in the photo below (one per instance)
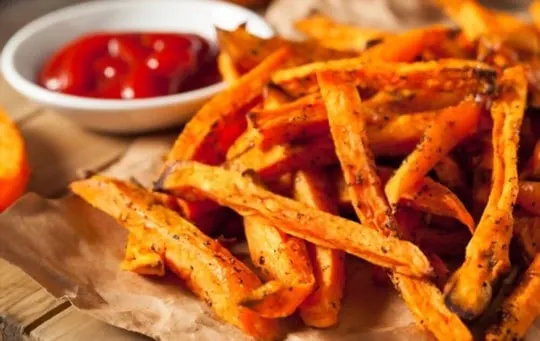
(26, 51)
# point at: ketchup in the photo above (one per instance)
(131, 65)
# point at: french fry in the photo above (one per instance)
(282, 258)
(529, 196)
(210, 133)
(348, 128)
(322, 307)
(469, 290)
(273, 97)
(226, 67)
(431, 197)
(238, 192)
(451, 127)
(440, 76)
(144, 254)
(520, 309)
(338, 36)
(14, 168)
(208, 268)
(282, 159)
(344, 105)
(527, 233)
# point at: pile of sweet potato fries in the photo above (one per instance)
(418, 152)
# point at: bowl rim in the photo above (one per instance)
(34, 91)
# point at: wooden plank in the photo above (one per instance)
(71, 324)
(15, 105)
(23, 301)
(58, 149)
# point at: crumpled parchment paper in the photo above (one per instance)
(74, 251)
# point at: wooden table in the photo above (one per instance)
(58, 151)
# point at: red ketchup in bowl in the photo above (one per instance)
(131, 65)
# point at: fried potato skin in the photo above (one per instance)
(238, 192)
(321, 308)
(520, 309)
(469, 290)
(208, 268)
(14, 168)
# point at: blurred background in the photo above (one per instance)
(15, 13)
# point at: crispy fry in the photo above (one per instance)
(338, 36)
(431, 197)
(322, 307)
(307, 118)
(527, 233)
(210, 133)
(142, 254)
(469, 290)
(348, 128)
(344, 105)
(520, 309)
(445, 75)
(449, 129)
(529, 196)
(283, 258)
(226, 67)
(282, 159)
(247, 51)
(208, 268)
(238, 192)
(14, 169)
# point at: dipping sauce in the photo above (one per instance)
(131, 65)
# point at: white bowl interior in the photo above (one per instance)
(28, 49)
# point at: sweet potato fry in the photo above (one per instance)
(227, 69)
(430, 197)
(307, 118)
(344, 105)
(273, 97)
(447, 130)
(520, 309)
(469, 290)
(338, 36)
(14, 169)
(322, 307)
(282, 258)
(281, 159)
(527, 233)
(529, 196)
(238, 192)
(210, 133)
(445, 75)
(348, 128)
(144, 254)
(208, 268)
(534, 10)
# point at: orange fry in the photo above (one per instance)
(239, 192)
(520, 309)
(14, 169)
(444, 75)
(348, 127)
(210, 133)
(283, 258)
(227, 69)
(469, 290)
(451, 127)
(208, 268)
(281, 159)
(321, 308)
